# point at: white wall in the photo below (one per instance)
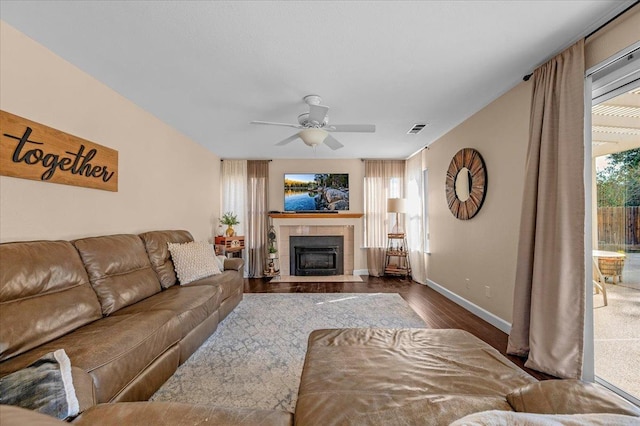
(355, 168)
(166, 181)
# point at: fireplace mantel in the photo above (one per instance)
(316, 215)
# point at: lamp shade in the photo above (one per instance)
(396, 205)
(312, 136)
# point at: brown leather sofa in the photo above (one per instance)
(151, 413)
(114, 305)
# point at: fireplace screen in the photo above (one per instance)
(322, 255)
(316, 260)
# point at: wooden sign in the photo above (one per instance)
(30, 150)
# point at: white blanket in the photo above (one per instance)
(511, 418)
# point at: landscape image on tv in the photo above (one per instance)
(316, 191)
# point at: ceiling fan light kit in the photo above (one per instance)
(315, 126)
(312, 136)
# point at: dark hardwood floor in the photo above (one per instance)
(436, 310)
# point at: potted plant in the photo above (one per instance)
(272, 251)
(229, 219)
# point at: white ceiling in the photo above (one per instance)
(209, 68)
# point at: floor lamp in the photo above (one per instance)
(396, 205)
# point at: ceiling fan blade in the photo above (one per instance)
(287, 140)
(332, 142)
(270, 123)
(317, 113)
(364, 128)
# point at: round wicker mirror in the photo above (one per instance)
(467, 173)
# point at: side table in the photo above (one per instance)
(230, 246)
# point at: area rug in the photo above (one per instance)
(254, 359)
(317, 279)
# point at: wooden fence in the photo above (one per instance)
(619, 228)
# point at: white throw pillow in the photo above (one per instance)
(193, 261)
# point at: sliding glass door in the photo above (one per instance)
(615, 250)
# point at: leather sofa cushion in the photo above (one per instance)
(233, 263)
(569, 396)
(404, 376)
(155, 243)
(228, 281)
(44, 294)
(173, 413)
(113, 350)
(152, 413)
(16, 416)
(119, 270)
(191, 305)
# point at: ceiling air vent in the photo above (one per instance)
(417, 128)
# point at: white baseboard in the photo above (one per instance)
(360, 272)
(492, 319)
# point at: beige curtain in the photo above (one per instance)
(549, 296)
(383, 179)
(415, 220)
(233, 178)
(256, 238)
(233, 182)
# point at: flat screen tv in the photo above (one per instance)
(309, 192)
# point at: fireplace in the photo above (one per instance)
(316, 255)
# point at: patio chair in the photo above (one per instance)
(599, 281)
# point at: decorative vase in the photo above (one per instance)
(220, 231)
(230, 232)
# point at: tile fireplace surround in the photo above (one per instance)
(286, 227)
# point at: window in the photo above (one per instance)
(383, 179)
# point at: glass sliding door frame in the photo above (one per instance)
(616, 75)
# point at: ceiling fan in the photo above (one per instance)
(315, 126)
